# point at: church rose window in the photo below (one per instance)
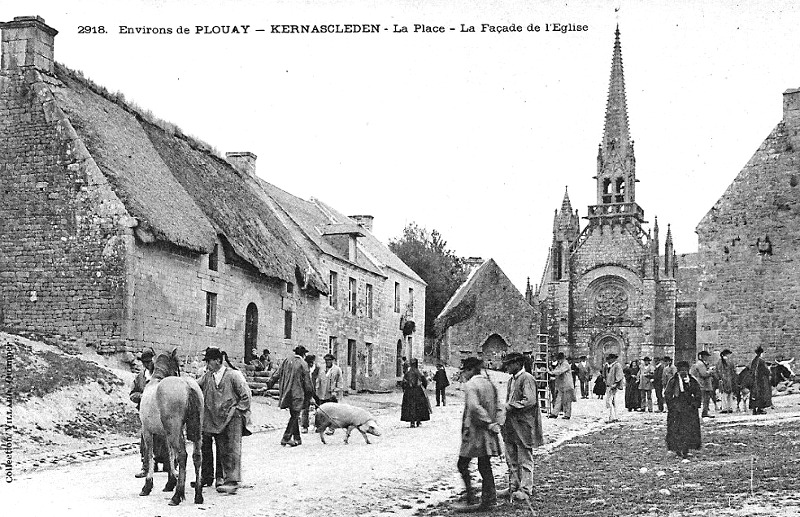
(611, 301)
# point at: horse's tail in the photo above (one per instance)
(194, 415)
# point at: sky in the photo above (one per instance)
(475, 135)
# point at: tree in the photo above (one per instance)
(443, 271)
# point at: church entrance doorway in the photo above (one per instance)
(606, 345)
(493, 350)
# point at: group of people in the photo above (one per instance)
(226, 413)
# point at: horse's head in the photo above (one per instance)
(781, 371)
(167, 365)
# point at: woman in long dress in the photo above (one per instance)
(683, 399)
(761, 392)
(416, 407)
(632, 400)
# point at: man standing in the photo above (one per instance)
(646, 374)
(522, 430)
(330, 381)
(683, 397)
(565, 388)
(295, 389)
(728, 380)
(761, 391)
(658, 383)
(703, 373)
(440, 378)
(669, 371)
(139, 382)
(479, 434)
(226, 415)
(584, 375)
(614, 379)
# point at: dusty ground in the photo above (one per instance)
(412, 471)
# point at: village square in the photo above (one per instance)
(160, 298)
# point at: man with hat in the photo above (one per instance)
(565, 387)
(330, 382)
(139, 382)
(728, 380)
(646, 374)
(522, 429)
(614, 378)
(479, 434)
(701, 371)
(295, 389)
(683, 398)
(441, 381)
(226, 416)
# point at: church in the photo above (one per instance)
(613, 285)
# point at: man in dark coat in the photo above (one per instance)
(704, 374)
(416, 407)
(584, 376)
(440, 378)
(313, 369)
(295, 389)
(761, 392)
(683, 398)
(159, 444)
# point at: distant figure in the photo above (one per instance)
(565, 387)
(330, 381)
(599, 386)
(313, 370)
(584, 376)
(669, 371)
(761, 392)
(703, 374)
(479, 435)
(728, 380)
(416, 407)
(632, 399)
(646, 374)
(440, 378)
(658, 383)
(613, 380)
(683, 398)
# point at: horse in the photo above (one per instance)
(168, 403)
(780, 371)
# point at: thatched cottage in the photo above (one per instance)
(120, 230)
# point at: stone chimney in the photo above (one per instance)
(243, 162)
(27, 41)
(365, 221)
(791, 106)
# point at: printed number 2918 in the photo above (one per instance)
(91, 29)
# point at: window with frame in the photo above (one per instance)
(352, 302)
(397, 297)
(211, 309)
(368, 299)
(289, 287)
(369, 359)
(333, 295)
(411, 302)
(213, 259)
(287, 324)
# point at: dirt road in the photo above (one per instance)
(403, 470)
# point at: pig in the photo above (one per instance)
(335, 415)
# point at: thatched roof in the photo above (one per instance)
(178, 190)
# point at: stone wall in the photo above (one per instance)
(750, 288)
(167, 288)
(62, 230)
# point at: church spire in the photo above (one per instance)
(616, 134)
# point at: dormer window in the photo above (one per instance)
(213, 259)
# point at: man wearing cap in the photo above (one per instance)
(522, 429)
(584, 375)
(139, 382)
(295, 389)
(565, 387)
(703, 373)
(226, 416)
(479, 434)
(646, 374)
(614, 382)
(330, 382)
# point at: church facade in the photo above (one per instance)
(606, 286)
